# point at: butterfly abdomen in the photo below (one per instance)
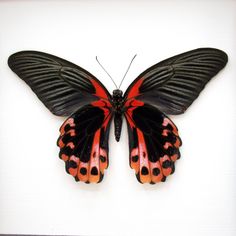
(118, 125)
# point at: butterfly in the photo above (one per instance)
(166, 88)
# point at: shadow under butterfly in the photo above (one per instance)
(167, 88)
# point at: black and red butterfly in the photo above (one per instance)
(168, 87)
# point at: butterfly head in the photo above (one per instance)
(117, 94)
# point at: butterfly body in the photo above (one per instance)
(167, 88)
(118, 109)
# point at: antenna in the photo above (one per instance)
(127, 71)
(111, 77)
(106, 72)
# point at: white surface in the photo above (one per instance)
(38, 197)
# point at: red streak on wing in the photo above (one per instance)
(100, 92)
(167, 121)
(106, 121)
(143, 155)
(94, 158)
(101, 103)
(132, 104)
(70, 122)
(128, 116)
(134, 91)
(105, 106)
(137, 103)
(165, 171)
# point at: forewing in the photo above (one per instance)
(173, 84)
(83, 142)
(61, 85)
(153, 142)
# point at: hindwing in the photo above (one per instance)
(83, 142)
(153, 142)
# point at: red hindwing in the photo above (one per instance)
(153, 140)
(84, 142)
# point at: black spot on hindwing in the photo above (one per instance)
(83, 171)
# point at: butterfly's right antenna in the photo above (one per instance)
(127, 71)
(106, 72)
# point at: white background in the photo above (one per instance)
(37, 196)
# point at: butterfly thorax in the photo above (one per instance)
(118, 101)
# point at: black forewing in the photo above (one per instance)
(173, 84)
(61, 85)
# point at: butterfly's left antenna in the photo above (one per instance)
(106, 72)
